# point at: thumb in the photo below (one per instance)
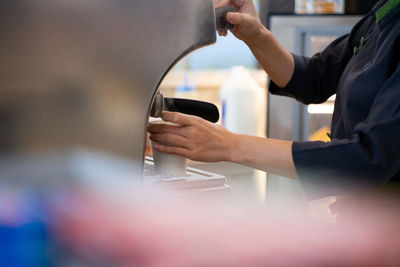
(235, 17)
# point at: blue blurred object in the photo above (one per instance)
(24, 240)
(185, 87)
(25, 245)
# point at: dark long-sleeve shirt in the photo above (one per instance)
(363, 70)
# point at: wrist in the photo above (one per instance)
(262, 38)
(234, 148)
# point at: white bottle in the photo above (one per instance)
(243, 104)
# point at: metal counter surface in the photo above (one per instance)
(246, 183)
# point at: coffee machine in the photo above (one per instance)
(81, 76)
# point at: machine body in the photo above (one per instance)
(82, 75)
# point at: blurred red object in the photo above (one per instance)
(153, 230)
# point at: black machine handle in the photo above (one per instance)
(220, 17)
(201, 109)
(205, 110)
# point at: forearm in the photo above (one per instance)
(204, 141)
(265, 154)
(275, 59)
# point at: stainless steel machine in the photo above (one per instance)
(80, 76)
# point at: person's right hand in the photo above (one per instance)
(247, 23)
(193, 138)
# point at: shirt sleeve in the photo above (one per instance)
(369, 159)
(315, 79)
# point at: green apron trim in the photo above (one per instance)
(385, 9)
(362, 41)
(356, 50)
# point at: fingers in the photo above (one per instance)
(179, 118)
(239, 2)
(166, 129)
(235, 17)
(240, 6)
(243, 6)
(222, 32)
(169, 139)
(220, 3)
(187, 132)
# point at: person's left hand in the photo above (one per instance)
(194, 138)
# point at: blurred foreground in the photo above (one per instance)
(71, 218)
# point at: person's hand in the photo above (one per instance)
(194, 138)
(247, 24)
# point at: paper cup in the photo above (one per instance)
(168, 164)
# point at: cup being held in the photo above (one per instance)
(167, 164)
